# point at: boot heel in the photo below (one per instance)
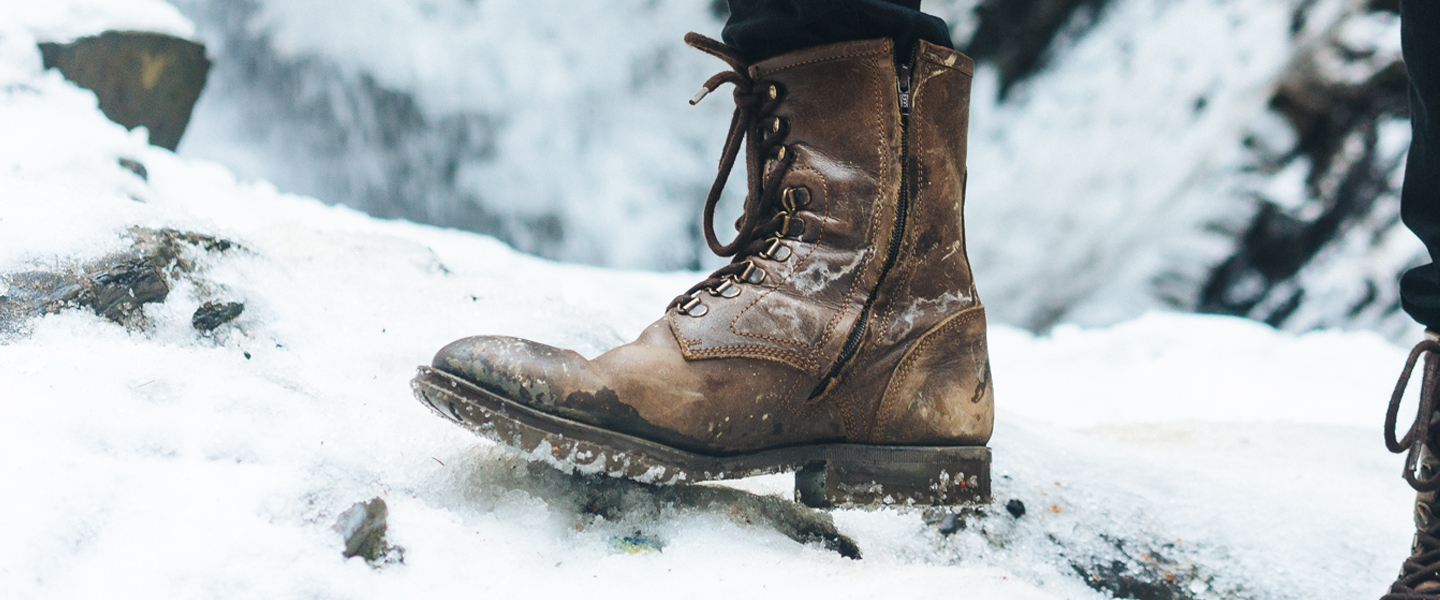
(856, 475)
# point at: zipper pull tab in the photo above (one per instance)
(905, 89)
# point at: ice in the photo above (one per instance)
(158, 462)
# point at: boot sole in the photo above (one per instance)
(827, 475)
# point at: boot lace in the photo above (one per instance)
(1420, 574)
(769, 214)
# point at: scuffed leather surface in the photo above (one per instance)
(648, 389)
(842, 109)
(941, 393)
(931, 280)
(739, 379)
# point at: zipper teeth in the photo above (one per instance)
(892, 253)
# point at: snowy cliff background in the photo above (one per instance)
(1216, 155)
(1128, 155)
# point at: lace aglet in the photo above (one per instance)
(704, 91)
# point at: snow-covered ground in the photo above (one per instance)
(154, 461)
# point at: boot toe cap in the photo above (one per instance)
(521, 370)
(551, 380)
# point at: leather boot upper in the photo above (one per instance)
(842, 112)
(853, 320)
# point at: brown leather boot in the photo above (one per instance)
(1420, 575)
(844, 340)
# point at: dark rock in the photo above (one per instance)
(1122, 558)
(1152, 578)
(29, 294)
(135, 167)
(170, 249)
(363, 529)
(140, 78)
(797, 522)
(1015, 34)
(1015, 507)
(211, 315)
(596, 498)
(1132, 568)
(114, 287)
(122, 286)
(38, 288)
(1336, 118)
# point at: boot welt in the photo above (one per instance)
(826, 474)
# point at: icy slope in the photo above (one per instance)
(149, 460)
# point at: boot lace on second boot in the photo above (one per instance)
(1420, 574)
(769, 214)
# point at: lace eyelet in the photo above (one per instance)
(753, 274)
(774, 92)
(794, 228)
(775, 126)
(780, 154)
(694, 308)
(795, 198)
(777, 251)
(726, 289)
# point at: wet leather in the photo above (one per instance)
(930, 283)
(743, 377)
(648, 389)
(842, 109)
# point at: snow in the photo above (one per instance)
(1109, 167)
(158, 462)
(1118, 174)
(511, 99)
(55, 21)
(1160, 368)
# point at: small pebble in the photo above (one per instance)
(363, 529)
(214, 314)
(951, 524)
(1015, 507)
(135, 167)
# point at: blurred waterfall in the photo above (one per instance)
(1125, 155)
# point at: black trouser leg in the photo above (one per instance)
(760, 29)
(1420, 198)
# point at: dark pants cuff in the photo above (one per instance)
(760, 29)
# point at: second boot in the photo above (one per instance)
(844, 340)
(1419, 577)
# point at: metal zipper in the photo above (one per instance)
(904, 86)
(897, 233)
